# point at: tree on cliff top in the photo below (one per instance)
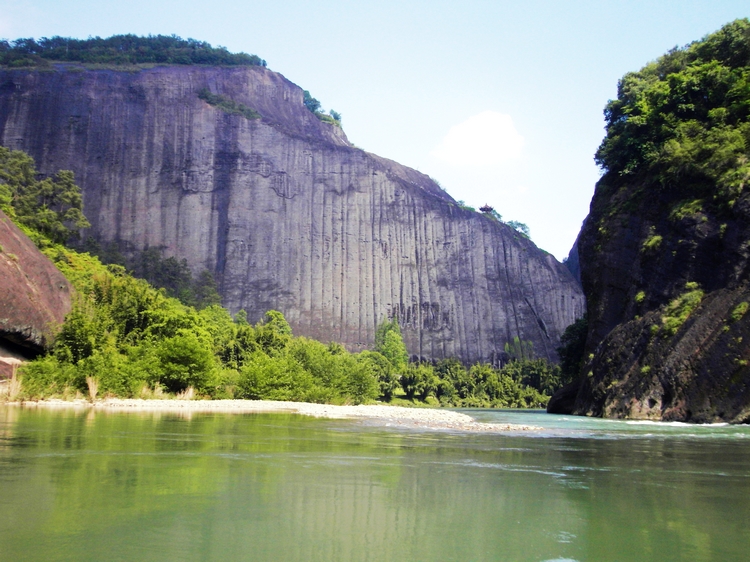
(685, 118)
(52, 206)
(120, 49)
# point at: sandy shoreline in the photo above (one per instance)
(421, 418)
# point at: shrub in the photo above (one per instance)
(739, 311)
(185, 360)
(652, 243)
(678, 310)
(228, 105)
(382, 370)
(277, 378)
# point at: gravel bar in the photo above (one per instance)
(416, 418)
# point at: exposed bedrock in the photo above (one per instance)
(34, 297)
(651, 354)
(284, 211)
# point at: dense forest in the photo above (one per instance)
(120, 50)
(685, 120)
(124, 337)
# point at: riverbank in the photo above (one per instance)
(417, 418)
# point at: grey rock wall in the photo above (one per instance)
(285, 211)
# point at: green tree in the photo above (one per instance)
(455, 383)
(185, 360)
(274, 334)
(419, 380)
(520, 227)
(310, 102)
(534, 373)
(206, 291)
(120, 49)
(519, 350)
(51, 206)
(382, 369)
(390, 343)
(683, 120)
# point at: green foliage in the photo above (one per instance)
(739, 311)
(687, 208)
(535, 373)
(228, 105)
(481, 385)
(520, 227)
(310, 102)
(490, 211)
(120, 50)
(185, 360)
(465, 207)
(50, 206)
(652, 243)
(383, 372)
(390, 343)
(419, 380)
(313, 105)
(205, 290)
(678, 310)
(640, 296)
(684, 120)
(571, 350)
(519, 350)
(170, 274)
(275, 378)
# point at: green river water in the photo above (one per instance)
(84, 485)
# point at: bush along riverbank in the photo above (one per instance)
(126, 338)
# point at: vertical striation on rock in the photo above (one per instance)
(284, 211)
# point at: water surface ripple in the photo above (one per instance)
(85, 485)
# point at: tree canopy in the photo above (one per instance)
(120, 49)
(685, 118)
(51, 206)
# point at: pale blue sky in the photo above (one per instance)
(529, 79)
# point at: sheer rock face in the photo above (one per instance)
(636, 367)
(34, 297)
(284, 211)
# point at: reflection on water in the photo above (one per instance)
(135, 486)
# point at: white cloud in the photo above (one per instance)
(486, 139)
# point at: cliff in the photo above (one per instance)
(637, 367)
(665, 251)
(284, 211)
(34, 297)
